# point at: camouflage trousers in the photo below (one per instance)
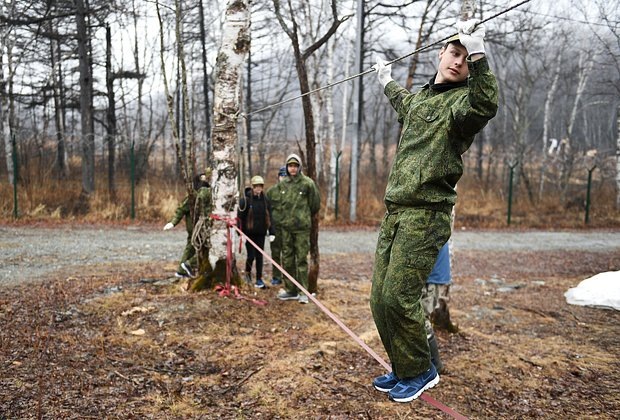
(432, 295)
(408, 244)
(295, 248)
(276, 254)
(189, 253)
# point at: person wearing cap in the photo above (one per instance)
(255, 219)
(439, 123)
(274, 195)
(203, 191)
(300, 201)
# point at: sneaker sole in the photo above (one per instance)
(289, 298)
(383, 389)
(187, 270)
(429, 385)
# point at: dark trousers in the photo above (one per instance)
(253, 254)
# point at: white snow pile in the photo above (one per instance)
(601, 290)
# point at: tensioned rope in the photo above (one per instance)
(231, 224)
(370, 70)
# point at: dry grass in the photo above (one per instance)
(69, 348)
(155, 201)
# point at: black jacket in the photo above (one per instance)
(255, 214)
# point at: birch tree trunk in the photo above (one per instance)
(59, 121)
(5, 99)
(618, 160)
(235, 45)
(586, 64)
(333, 152)
(359, 112)
(546, 122)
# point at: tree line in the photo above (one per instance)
(94, 81)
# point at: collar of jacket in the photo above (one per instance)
(443, 87)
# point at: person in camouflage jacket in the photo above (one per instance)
(203, 192)
(300, 200)
(274, 195)
(439, 123)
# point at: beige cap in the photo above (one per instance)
(257, 180)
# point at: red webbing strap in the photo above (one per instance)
(346, 329)
(227, 290)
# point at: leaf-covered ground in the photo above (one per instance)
(131, 343)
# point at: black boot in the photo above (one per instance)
(435, 360)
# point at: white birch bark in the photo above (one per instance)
(546, 123)
(5, 125)
(331, 126)
(230, 59)
(347, 99)
(316, 101)
(586, 64)
(6, 70)
(618, 160)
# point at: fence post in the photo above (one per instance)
(590, 170)
(15, 176)
(512, 171)
(337, 180)
(132, 164)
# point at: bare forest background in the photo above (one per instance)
(89, 131)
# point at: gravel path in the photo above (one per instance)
(29, 253)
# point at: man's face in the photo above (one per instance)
(293, 168)
(452, 65)
(257, 189)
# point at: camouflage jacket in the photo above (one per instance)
(300, 199)
(203, 198)
(275, 195)
(438, 127)
(183, 212)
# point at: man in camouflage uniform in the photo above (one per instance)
(188, 259)
(439, 124)
(274, 195)
(300, 200)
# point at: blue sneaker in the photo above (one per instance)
(260, 284)
(385, 382)
(409, 389)
(275, 281)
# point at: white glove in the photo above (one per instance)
(471, 36)
(272, 238)
(384, 73)
(168, 226)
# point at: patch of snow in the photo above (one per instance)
(601, 290)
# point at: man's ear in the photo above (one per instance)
(441, 51)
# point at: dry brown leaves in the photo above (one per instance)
(127, 345)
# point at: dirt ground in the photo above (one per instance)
(128, 342)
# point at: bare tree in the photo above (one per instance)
(302, 73)
(86, 101)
